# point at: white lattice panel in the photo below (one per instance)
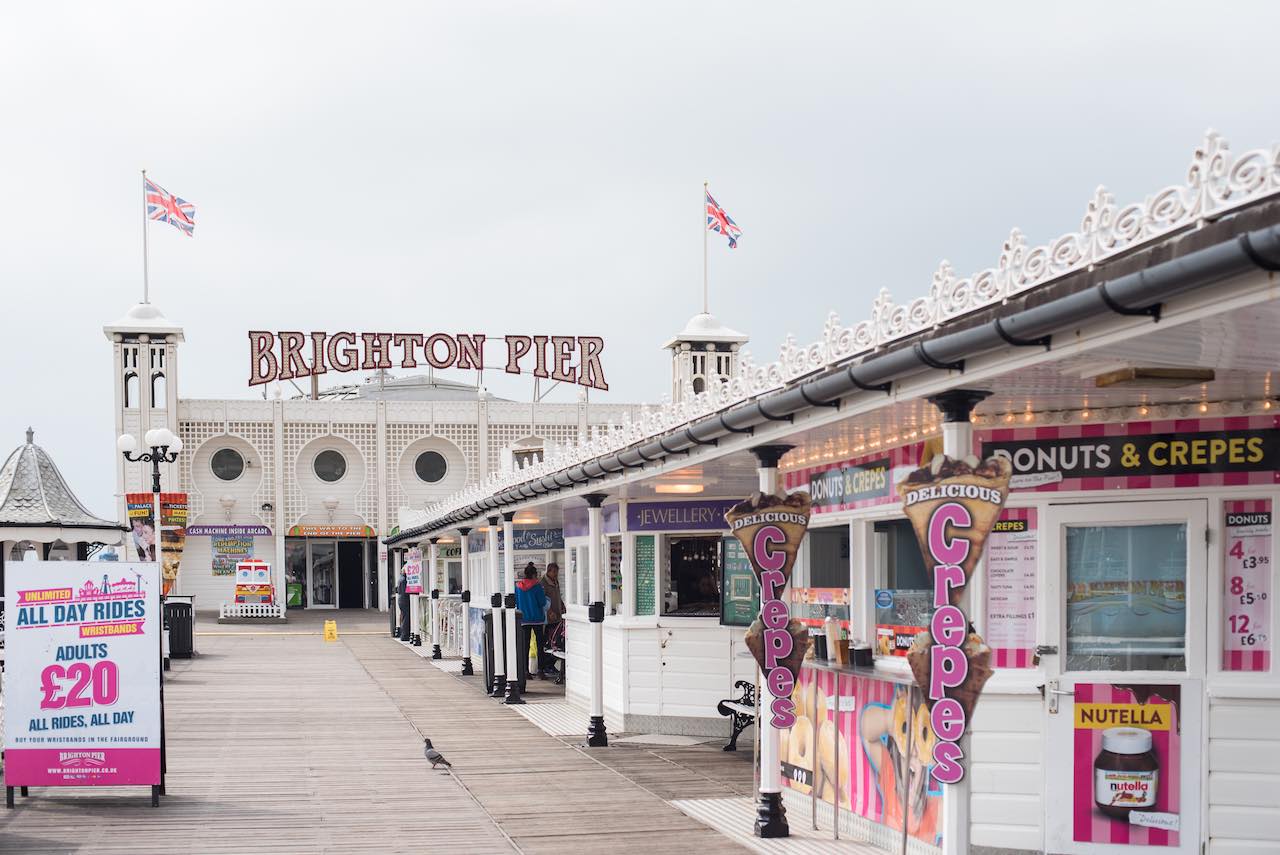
(296, 435)
(364, 436)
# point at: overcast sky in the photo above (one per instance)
(538, 167)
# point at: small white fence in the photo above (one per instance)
(449, 618)
(267, 611)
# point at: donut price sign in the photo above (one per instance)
(82, 680)
(1246, 600)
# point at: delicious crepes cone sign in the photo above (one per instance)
(771, 529)
(952, 505)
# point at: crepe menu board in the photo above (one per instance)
(1011, 588)
(1246, 596)
(644, 574)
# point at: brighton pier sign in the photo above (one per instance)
(288, 355)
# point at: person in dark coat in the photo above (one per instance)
(531, 600)
(402, 600)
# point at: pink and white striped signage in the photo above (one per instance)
(1011, 588)
(1246, 594)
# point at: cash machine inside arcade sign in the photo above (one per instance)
(1045, 461)
(287, 355)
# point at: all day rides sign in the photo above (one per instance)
(82, 678)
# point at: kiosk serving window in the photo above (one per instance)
(903, 597)
(828, 557)
(693, 577)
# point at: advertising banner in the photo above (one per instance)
(413, 571)
(868, 745)
(228, 531)
(739, 590)
(228, 551)
(952, 506)
(82, 674)
(901, 615)
(1137, 455)
(1246, 600)
(140, 508)
(857, 482)
(1127, 757)
(770, 529)
(706, 515)
(1011, 588)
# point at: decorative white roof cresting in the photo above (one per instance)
(1216, 184)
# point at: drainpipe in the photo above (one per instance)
(515, 647)
(771, 815)
(434, 553)
(467, 667)
(497, 616)
(597, 736)
(956, 407)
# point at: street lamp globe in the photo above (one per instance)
(154, 437)
(126, 444)
(175, 445)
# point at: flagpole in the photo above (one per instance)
(705, 309)
(146, 285)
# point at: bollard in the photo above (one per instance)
(331, 630)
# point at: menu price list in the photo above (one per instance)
(1246, 600)
(1011, 588)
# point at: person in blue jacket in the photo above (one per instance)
(531, 600)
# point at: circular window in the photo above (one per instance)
(430, 466)
(227, 464)
(329, 466)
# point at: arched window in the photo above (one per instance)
(698, 385)
(157, 391)
(130, 390)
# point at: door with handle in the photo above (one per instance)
(1125, 595)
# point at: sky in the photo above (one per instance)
(538, 167)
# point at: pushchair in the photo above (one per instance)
(555, 650)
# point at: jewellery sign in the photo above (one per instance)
(82, 674)
(770, 529)
(952, 505)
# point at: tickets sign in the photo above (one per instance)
(82, 674)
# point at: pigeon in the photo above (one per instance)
(436, 758)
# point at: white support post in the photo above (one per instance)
(515, 646)
(597, 735)
(771, 816)
(395, 557)
(433, 554)
(497, 614)
(957, 442)
(467, 668)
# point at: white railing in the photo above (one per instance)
(251, 610)
(449, 617)
(1217, 183)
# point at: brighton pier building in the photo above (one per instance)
(312, 483)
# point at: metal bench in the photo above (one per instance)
(742, 711)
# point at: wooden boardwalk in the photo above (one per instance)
(280, 742)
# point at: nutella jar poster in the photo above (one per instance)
(1127, 760)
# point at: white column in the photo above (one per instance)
(957, 442)
(497, 614)
(515, 649)
(467, 667)
(276, 518)
(770, 765)
(433, 554)
(597, 736)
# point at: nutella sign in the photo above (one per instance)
(287, 355)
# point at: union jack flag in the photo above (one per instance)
(721, 223)
(167, 208)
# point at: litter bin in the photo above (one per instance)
(179, 615)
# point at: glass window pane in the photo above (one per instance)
(330, 465)
(1126, 597)
(322, 573)
(829, 557)
(227, 464)
(430, 466)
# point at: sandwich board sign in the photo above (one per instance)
(82, 675)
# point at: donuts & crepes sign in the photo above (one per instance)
(770, 529)
(952, 505)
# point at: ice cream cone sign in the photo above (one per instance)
(771, 529)
(952, 505)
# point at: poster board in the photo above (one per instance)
(413, 571)
(82, 674)
(645, 552)
(1246, 595)
(739, 590)
(1011, 588)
